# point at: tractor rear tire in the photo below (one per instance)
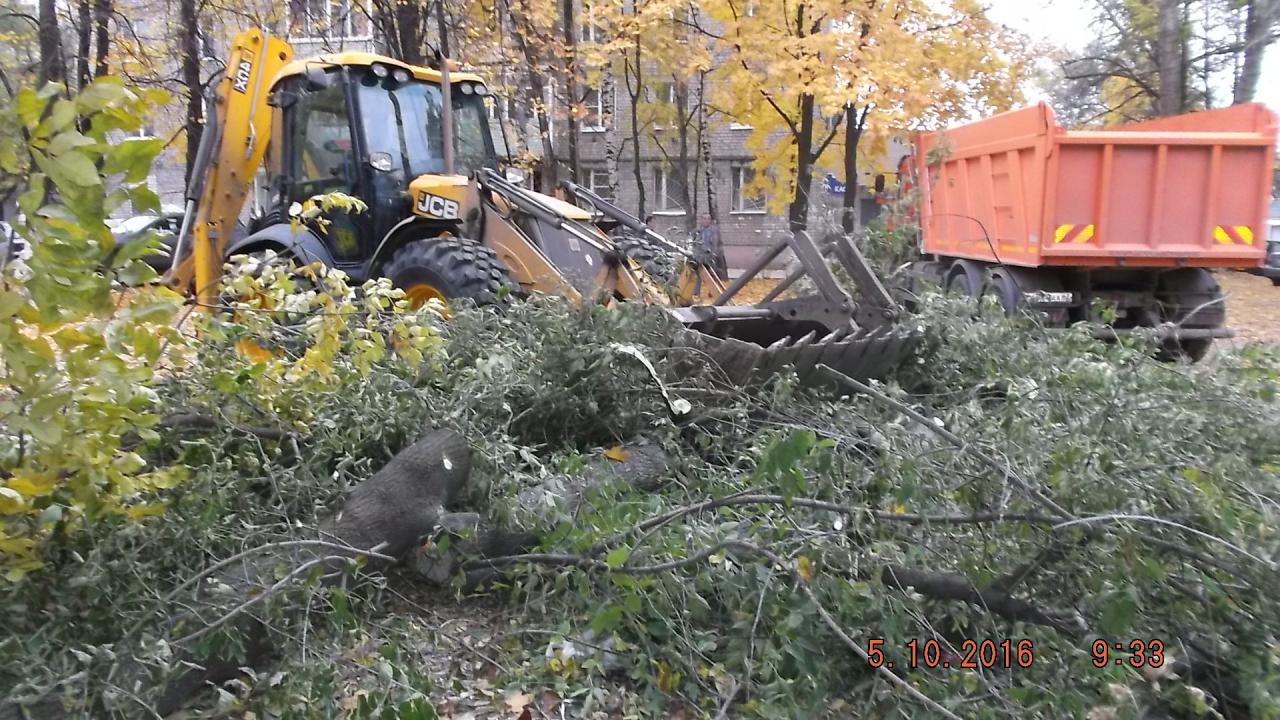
(450, 269)
(656, 261)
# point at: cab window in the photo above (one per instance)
(322, 160)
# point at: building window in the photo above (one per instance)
(661, 92)
(329, 20)
(663, 96)
(744, 201)
(597, 110)
(598, 183)
(590, 30)
(665, 199)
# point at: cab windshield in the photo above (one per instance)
(403, 121)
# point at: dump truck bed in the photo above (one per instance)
(1190, 190)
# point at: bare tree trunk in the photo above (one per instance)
(704, 149)
(537, 95)
(403, 26)
(102, 10)
(1262, 18)
(442, 29)
(853, 124)
(190, 43)
(382, 518)
(682, 158)
(607, 86)
(84, 33)
(636, 73)
(569, 30)
(798, 213)
(1169, 47)
(53, 65)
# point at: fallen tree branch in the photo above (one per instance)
(840, 633)
(196, 421)
(958, 588)
(934, 426)
(732, 545)
(1121, 517)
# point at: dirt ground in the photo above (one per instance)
(1253, 304)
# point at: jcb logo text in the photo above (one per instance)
(243, 72)
(438, 206)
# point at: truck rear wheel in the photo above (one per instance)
(1004, 290)
(962, 282)
(449, 269)
(1190, 298)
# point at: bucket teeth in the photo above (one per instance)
(861, 355)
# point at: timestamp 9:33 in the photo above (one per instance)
(1135, 653)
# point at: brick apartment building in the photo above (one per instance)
(746, 225)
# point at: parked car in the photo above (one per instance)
(166, 225)
(1271, 267)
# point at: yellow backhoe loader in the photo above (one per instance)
(442, 222)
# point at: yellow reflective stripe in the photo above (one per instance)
(1085, 235)
(1220, 234)
(1245, 232)
(1061, 233)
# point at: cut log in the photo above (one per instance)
(641, 466)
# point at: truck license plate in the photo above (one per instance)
(1046, 297)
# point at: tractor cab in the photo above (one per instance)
(374, 128)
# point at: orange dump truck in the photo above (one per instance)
(1131, 218)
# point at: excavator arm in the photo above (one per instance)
(237, 127)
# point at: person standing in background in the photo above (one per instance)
(713, 249)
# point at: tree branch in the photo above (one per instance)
(941, 586)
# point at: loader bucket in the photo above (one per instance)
(861, 354)
(750, 343)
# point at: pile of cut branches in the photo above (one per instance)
(951, 542)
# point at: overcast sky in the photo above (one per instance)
(1066, 23)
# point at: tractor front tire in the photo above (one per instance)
(449, 269)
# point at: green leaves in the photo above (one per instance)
(1119, 610)
(78, 377)
(606, 619)
(102, 94)
(132, 158)
(784, 461)
(617, 557)
(71, 168)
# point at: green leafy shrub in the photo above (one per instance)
(77, 360)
